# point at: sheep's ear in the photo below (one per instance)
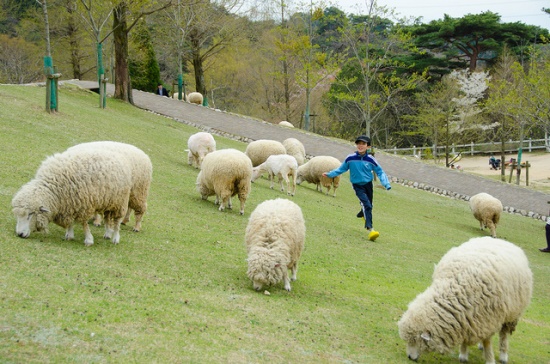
(43, 209)
(426, 336)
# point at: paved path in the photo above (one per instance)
(525, 200)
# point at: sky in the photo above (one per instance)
(526, 11)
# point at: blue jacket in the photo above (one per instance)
(360, 170)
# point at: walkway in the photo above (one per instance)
(445, 181)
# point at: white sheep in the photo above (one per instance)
(71, 187)
(259, 150)
(274, 237)
(312, 172)
(486, 210)
(195, 98)
(479, 288)
(199, 145)
(225, 173)
(142, 174)
(295, 148)
(286, 123)
(281, 165)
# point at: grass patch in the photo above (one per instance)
(177, 291)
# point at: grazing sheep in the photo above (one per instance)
(296, 149)
(142, 174)
(282, 166)
(479, 288)
(275, 237)
(71, 187)
(225, 173)
(486, 210)
(286, 123)
(199, 144)
(195, 98)
(259, 150)
(312, 172)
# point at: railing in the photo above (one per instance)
(529, 145)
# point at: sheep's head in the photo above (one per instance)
(263, 270)
(30, 219)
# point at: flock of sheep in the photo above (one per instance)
(478, 289)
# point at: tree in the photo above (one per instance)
(18, 61)
(143, 65)
(475, 38)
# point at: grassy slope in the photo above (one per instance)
(178, 291)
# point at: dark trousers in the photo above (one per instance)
(365, 194)
(548, 236)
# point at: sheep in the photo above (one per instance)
(312, 172)
(286, 123)
(282, 166)
(195, 98)
(199, 145)
(296, 149)
(259, 150)
(479, 288)
(274, 237)
(486, 210)
(142, 174)
(71, 187)
(225, 173)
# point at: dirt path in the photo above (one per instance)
(539, 172)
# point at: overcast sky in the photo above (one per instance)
(526, 11)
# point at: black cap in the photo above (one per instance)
(363, 138)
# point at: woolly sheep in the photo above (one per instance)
(199, 145)
(312, 172)
(282, 166)
(225, 173)
(195, 98)
(142, 174)
(486, 210)
(71, 187)
(259, 150)
(296, 149)
(286, 123)
(479, 288)
(275, 237)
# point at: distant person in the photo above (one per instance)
(547, 249)
(361, 166)
(494, 163)
(161, 90)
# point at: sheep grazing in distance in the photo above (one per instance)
(286, 123)
(486, 210)
(479, 288)
(71, 187)
(274, 237)
(195, 98)
(295, 148)
(142, 174)
(225, 173)
(312, 172)
(281, 165)
(259, 150)
(199, 145)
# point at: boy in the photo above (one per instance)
(361, 165)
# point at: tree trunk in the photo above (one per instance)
(197, 66)
(72, 33)
(120, 36)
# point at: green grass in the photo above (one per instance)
(177, 292)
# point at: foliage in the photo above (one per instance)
(177, 291)
(143, 65)
(18, 61)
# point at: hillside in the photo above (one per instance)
(177, 292)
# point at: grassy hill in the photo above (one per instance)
(177, 292)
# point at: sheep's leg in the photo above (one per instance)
(108, 217)
(463, 356)
(69, 232)
(293, 185)
(334, 191)
(488, 351)
(88, 237)
(507, 328)
(271, 178)
(492, 228)
(242, 199)
(127, 216)
(294, 270)
(138, 216)
(284, 178)
(116, 231)
(286, 280)
(97, 220)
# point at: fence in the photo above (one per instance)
(529, 145)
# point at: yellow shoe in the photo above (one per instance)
(373, 235)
